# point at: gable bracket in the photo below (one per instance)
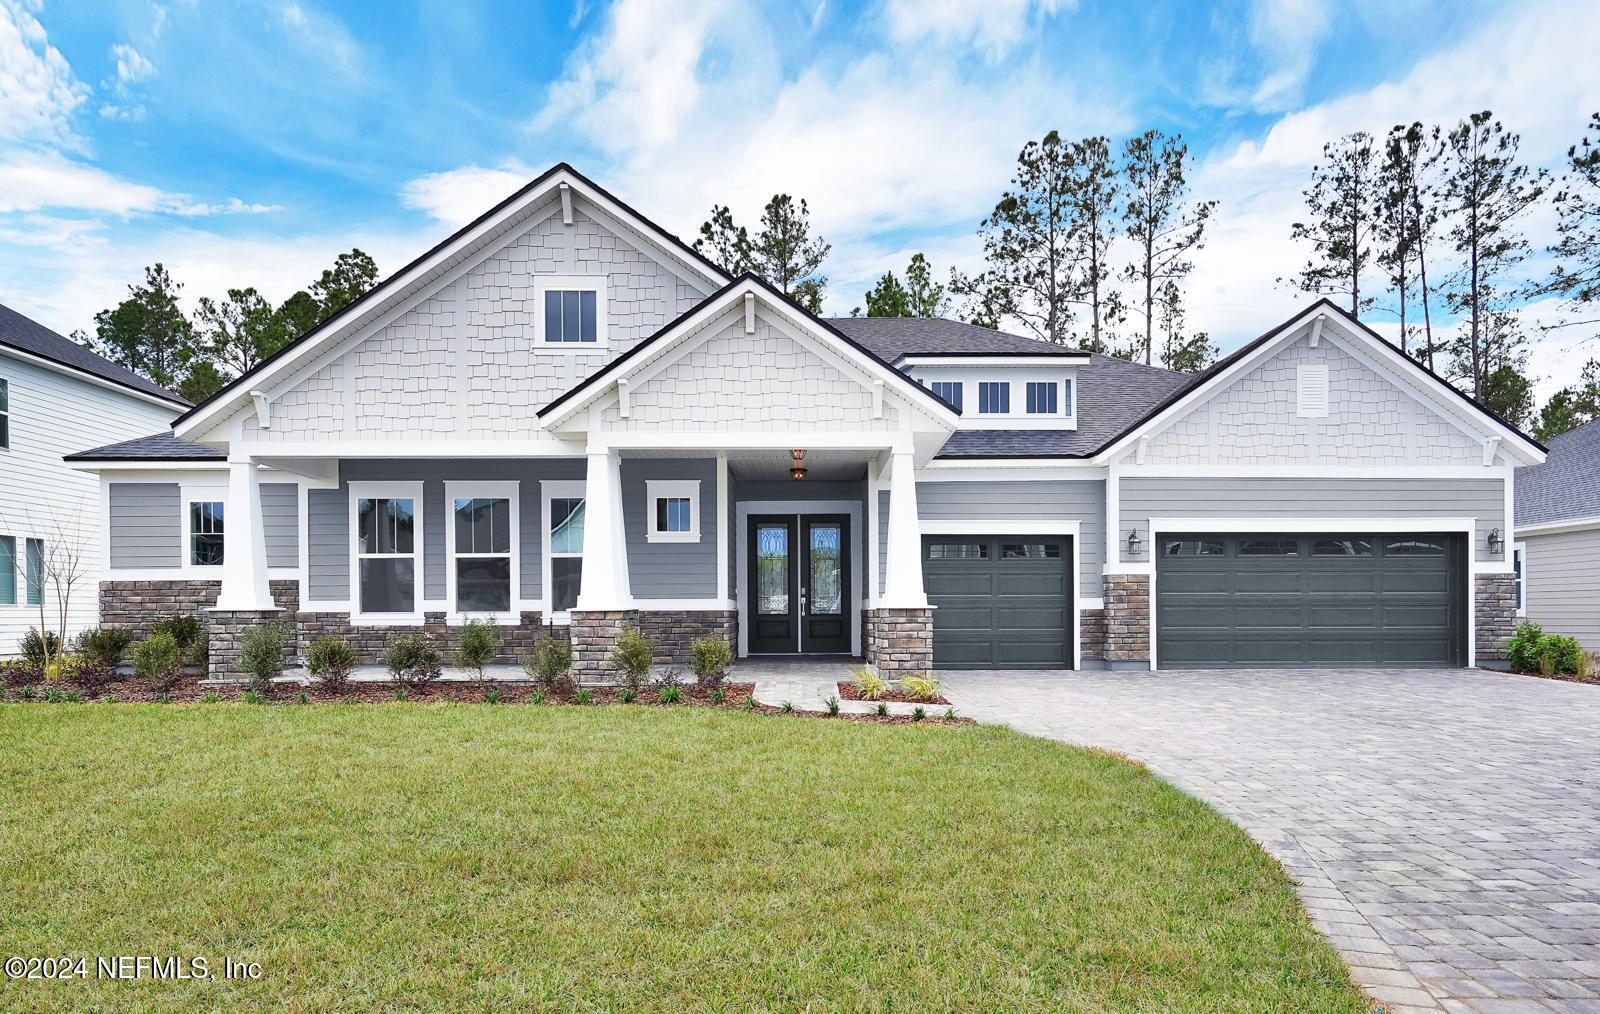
(624, 406)
(877, 398)
(749, 313)
(1143, 445)
(1490, 445)
(263, 408)
(566, 204)
(1316, 330)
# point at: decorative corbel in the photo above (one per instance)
(1143, 445)
(1490, 445)
(749, 313)
(263, 408)
(624, 407)
(566, 204)
(1316, 329)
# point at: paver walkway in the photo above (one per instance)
(1444, 826)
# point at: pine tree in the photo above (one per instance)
(924, 296)
(240, 331)
(350, 277)
(1096, 189)
(1577, 248)
(1343, 206)
(1409, 218)
(888, 298)
(1180, 350)
(148, 332)
(1164, 228)
(785, 254)
(724, 243)
(1572, 406)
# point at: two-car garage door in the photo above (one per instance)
(1309, 600)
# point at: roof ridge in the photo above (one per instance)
(13, 324)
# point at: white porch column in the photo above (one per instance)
(903, 576)
(605, 551)
(244, 550)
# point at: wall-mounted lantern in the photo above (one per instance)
(1133, 542)
(1496, 543)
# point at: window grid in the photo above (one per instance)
(1041, 397)
(673, 514)
(482, 553)
(570, 316)
(206, 545)
(950, 391)
(994, 397)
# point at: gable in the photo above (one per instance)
(769, 380)
(1372, 416)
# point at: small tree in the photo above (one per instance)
(331, 660)
(632, 657)
(476, 647)
(261, 655)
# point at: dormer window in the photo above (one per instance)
(994, 397)
(950, 391)
(570, 313)
(982, 386)
(1042, 398)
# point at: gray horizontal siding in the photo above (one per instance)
(1562, 588)
(1203, 497)
(280, 523)
(1012, 506)
(670, 570)
(328, 517)
(146, 525)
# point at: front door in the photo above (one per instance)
(799, 584)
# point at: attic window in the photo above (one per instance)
(1311, 391)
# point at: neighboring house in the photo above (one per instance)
(1557, 551)
(562, 415)
(55, 397)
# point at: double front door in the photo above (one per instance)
(799, 584)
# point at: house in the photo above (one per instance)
(563, 416)
(1556, 556)
(55, 398)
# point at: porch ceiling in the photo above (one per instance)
(821, 466)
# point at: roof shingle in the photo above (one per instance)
(155, 447)
(34, 338)
(1567, 485)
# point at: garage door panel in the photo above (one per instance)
(998, 612)
(1391, 600)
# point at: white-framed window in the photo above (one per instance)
(563, 515)
(950, 391)
(994, 397)
(35, 571)
(1043, 397)
(482, 540)
(5, 415)
(1519, 577)
(205, 524)
(8, 570)
(385, 548)
(569, 313)
(673, 510)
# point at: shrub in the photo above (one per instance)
(917, 714)
(412, 659)
(709, 659)
(550, 665)
(883, 709)
(1555, 653)
(19, 672)
(93, 675)
(628, 696)
(921, 688)
(1522, 650)
(475, 649)
(632, 656)
(538, 697)
(833, 705)
(582, 696)
(39, 648)
(869, 686)
(25, 693)
(190, 634)
(671, 694)
(718, 695)
(159, 661)
(261, 655)
(254, 697)
(331, 660)
(106, 645)
(491, 697)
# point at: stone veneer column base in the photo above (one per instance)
(1127, 618)
(594, 633)
(1494, 614)
(1092, 635)
(671, 631)
(900, 641)
(227, 630)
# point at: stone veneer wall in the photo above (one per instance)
(900, 641)
(670, 632)
(1494, 599)
(1092, 633)
(594, 634)
(1127, 618)
(139, 604)
(516, 640)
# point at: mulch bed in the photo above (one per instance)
(848, 692)
(1565, 677)
(736, 697)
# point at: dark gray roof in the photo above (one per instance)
(32, 337)
(1113, 395)
(1567, 485)
(155, 447)
(889, 338)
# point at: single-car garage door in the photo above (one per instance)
(1001, 601)
(1309, 600)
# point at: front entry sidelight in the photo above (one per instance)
(799, 584)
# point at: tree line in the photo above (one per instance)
(150, 334)
(1435, 216)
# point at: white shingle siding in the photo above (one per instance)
(54, 414)
(463, 364)
(1369, 421)
(760, 382)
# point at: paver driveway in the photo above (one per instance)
(1444, 825)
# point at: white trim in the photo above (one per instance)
(369, 490)
(1286, 471)
(505, 489)
(672, 489)
(597, 284)
(219, 466)
(740, 440)
(1044, 526)
(963, 362)
(189, 496)
(681, 605)
(722, 523)
(795, 508)
(1557, 527)
(1006, 469)
(1393, 525)
(1519, 556)
(556, 489)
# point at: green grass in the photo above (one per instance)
(464, 856)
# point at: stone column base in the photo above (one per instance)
(1495, 615)
(899, 641)
(228, 629)
(1092, 634)
(1127, 618)
(594, 633)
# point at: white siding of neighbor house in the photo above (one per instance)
(1143, 498)
(1561, 588)
(1371, 420)
(463, 362)
(758, 382)
(54, 414)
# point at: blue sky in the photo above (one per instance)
(248, 143)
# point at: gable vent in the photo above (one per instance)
(1311, 391)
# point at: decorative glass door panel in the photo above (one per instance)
(825, 592)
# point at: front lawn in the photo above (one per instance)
(468, 856)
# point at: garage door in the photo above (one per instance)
(1309, 600)
(1002, 601)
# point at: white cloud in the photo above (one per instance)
(34, 182)
(993, 27)
(38, 91)
(457, 196)
(131, 65)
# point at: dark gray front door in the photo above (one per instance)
(1002, 601)
(1310, 600)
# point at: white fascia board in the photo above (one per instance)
(963, 362)
(989, 471)
(1557, 527)
(148, 465)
